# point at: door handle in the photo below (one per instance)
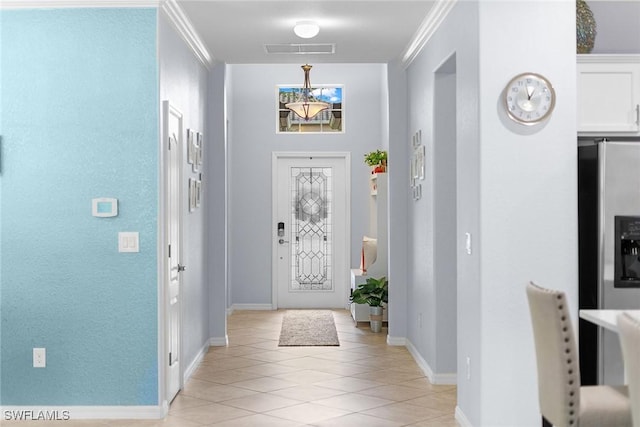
(282, 241)
(181, 268)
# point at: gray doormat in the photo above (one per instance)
(308, 328)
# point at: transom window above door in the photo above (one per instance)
(330, 120)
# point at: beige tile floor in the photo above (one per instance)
(253, 382)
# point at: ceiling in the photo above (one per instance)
(236, 31)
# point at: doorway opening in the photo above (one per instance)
(445, 215)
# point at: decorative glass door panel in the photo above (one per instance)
(311, 229)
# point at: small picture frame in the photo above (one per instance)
(420, 161)
(416, 165)
(190, 146)
(197, 157)
(417, 192)
(415, 173)
(416, 139)
(198, 191)
(192, 194)
(197, 151)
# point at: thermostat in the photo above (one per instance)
(104, 207)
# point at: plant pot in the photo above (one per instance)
(375, 318)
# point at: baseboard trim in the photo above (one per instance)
(219, 341)
(445, 379)
(252, 307)
(449, 379)
(64, 413)
(195, 363)
(462, 418)
(397, 341)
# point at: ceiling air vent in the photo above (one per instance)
(301, 49)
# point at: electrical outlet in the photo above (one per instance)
(39, 357)
(468, 368)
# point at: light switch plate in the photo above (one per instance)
(468, 243)
(128, 241)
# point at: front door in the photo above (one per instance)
(310, 230)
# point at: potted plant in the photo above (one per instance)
(374, 293)
(377, 160)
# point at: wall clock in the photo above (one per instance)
(529, 99)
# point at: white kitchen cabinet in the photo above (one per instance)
(608, 95)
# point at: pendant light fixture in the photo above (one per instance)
(304, 108)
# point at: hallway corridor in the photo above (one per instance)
(253, 382)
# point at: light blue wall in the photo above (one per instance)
(79, 120)
(1, 159)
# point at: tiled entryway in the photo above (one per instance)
(253, 382)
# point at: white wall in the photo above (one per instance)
(183, 81)
(528, 210)
(516, 195)
(253, 138)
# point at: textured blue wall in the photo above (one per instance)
(78, 120)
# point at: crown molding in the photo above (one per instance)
(607, 58)
(60, 4)
(429, 26)
(185, 28)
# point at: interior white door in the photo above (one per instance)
(172, 291)
(310, 230)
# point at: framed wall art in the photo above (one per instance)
(192, 195)
(416, 167)
(190, 146)
(330, 120)
(198, 191)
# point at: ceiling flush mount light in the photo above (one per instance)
(306, 29)
(306, 107)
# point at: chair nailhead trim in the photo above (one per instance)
(567, 351)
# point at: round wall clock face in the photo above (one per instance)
(529, 98)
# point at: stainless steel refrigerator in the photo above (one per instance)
(609, 248)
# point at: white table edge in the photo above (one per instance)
(608, 319)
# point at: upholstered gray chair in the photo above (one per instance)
(563, 401)
(629, 330)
